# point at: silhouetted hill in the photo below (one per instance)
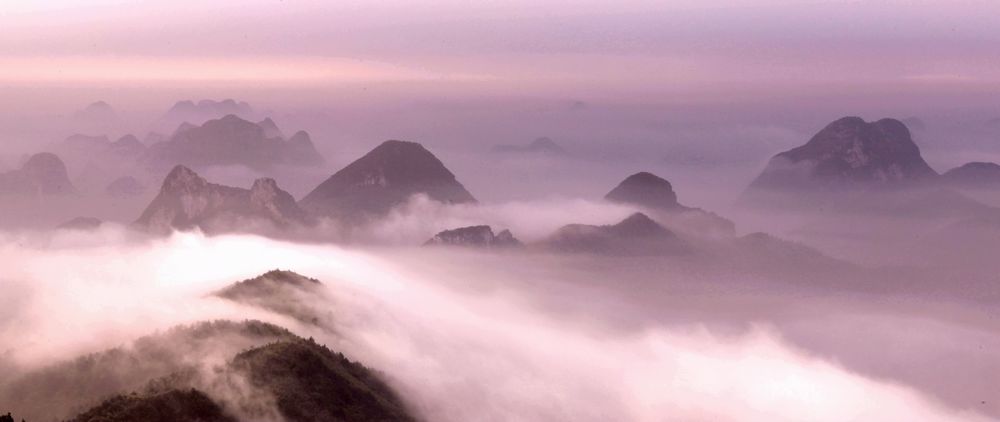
(848, 154)
(973, 175)
(382, 179)
(647, 190)
(655, 194)
(42, 174)
(636, 235)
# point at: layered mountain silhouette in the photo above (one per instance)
(474, 236)
(98, 117)
(99, 111)
(849, 154)
(202, 111)
(635, 235)
(42, 174)
(656, 195)
(543, 145)
(187, 201)
(100, 146)
(125, 187)
(232, 140)
(382, 179)
(973, 175)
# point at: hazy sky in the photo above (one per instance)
(623, 45)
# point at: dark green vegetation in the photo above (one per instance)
(61, 390)
(212, 372)
(283, 292)
(312, 383)
(191, 405)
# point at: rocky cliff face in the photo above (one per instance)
(382, 179)
(849, 154)
(187, 201)
(475, 236)
(41, 174)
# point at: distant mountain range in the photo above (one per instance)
(543, 146)
(231, 140)
(199, 112)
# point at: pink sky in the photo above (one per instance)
(552, 43)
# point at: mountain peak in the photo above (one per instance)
(385, 177)
(849, 153)
(187, 200)
(182, 179)
(638, 225)
(42, 173)
(645, 189)
(974, 174)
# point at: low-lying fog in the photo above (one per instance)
(475, 336)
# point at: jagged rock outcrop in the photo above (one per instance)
(475, 236)
(125, 187)
(543, 145)
(635, 235)
(42, 174)
(656, 195)
(973, 175)
(187, 201)
(848, 154)
(232, 140)
(382, 179)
